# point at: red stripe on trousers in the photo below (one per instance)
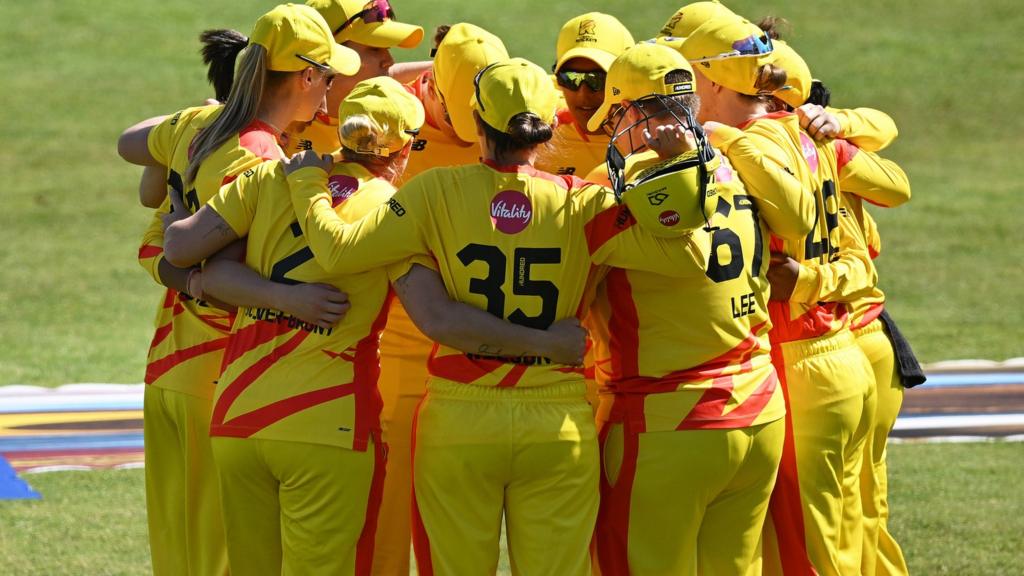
(785, 504)
(366, 544)
(366, 371)
(612, 531)
(420, 540)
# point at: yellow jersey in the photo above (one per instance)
(571, 151)
(511, 240)
(185, 352)
(321, 135)
(692, 352)
(284, 379)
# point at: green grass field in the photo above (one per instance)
(77, 308)
(955, 509)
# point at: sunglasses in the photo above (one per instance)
(376, 11)
(749, 46)
(572, 80)
(323, 68)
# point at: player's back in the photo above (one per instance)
(284, 378)
(816, 166)
(696, 346)
(509, 240)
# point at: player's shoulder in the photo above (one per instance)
(776, 123)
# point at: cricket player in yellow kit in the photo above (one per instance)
(689, 371)
(824, 375)
(186, 531)
(586, 46)
(462, 51)
(498, 434)
(295, 427)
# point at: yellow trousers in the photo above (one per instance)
(186, 530)
(687, 502)
(815, 522)
(299, 508)
(881, 554)
(529, 454)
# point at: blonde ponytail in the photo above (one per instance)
(241, 108)
(363, 135)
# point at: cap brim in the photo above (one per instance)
(388, 34)
(600, 115)
(460, 109)
(600, 57)
(344, 60)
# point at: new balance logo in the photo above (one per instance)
(567, 170)
(419, 145)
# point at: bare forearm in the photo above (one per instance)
(406, 72)
(235, 283)
(174, 277)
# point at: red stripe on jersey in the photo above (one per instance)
(872, 314)
(785, 504)
(845, 152)
(250, 337)
(222, 323)
(817, 321)
(745, 414)
(714, 368)
(258, 137)
(170, 298)
(606, 225)
(563, 182)
(247, 424)
(367, 538)
(246, 378)
(150, 251)
(366, 372)
(513, 376)
(624, 325)
(158, 368)
(459, 367)
(161, 333)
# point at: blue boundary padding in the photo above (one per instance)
(71, 442)
(12, 487)
(973, 379)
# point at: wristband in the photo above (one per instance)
(197, 291)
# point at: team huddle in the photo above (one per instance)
(626, 309)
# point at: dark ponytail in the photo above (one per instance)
(525, 130)
(220, 50)
(820, 94)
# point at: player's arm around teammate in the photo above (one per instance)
(669, 360)
(183, 505)
(822, 370)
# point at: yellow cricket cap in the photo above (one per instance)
(798, 76)
(512, 87)
(394, 112)
(463, 52)
(369, 23)
(643, 70)
(730, 51)
(595, 36)
(296, 37)
(690, 17)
